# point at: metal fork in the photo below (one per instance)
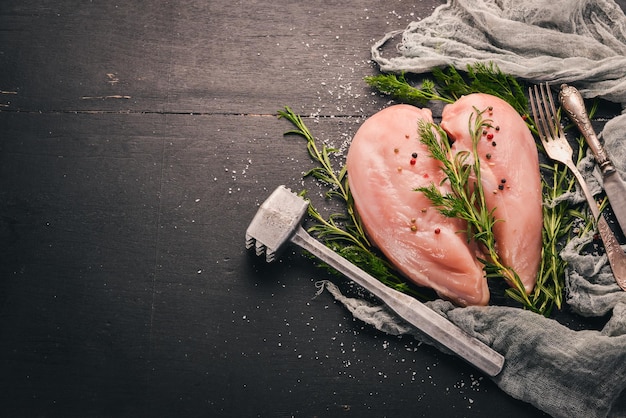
(558, 148)
(278, 221)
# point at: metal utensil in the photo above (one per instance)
(614, 185)
(557, 148)
(278, 221)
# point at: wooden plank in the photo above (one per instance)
(188, 56)
(213, 57)
(79, 214)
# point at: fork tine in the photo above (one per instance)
(532, 92)
(553, 119)
(544, 112)
(538, 113)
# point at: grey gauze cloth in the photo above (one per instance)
(563, 372)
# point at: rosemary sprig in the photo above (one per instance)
(548, 291)
(342, 232)
(559, 218)
(466, 199)
(336, 180)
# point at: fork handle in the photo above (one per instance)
(574, 106)
(591, 201)
(410, 309)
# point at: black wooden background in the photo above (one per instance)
(137, 139)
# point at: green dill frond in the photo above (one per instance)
(449, 85)
(400, 89)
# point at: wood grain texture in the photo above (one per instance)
(190, 56)
(136, 141)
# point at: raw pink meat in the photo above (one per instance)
(387, 162)
(510, 178)
(423, 244)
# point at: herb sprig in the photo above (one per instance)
(342, 232)
(449, 85)
(337, 182)
(557, 225)
(559, 218)
(466, 199)
(398, 87)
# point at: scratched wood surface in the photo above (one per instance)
(136, 141)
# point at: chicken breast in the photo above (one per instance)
(510, 177)
(386, 162)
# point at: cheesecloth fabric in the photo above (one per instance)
(563, 372)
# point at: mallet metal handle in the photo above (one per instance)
(411, 310)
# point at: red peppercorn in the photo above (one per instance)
(490, 136)
(437, 230)
(412, 161)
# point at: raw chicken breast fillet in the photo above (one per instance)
(386, 162)
(510, 178)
